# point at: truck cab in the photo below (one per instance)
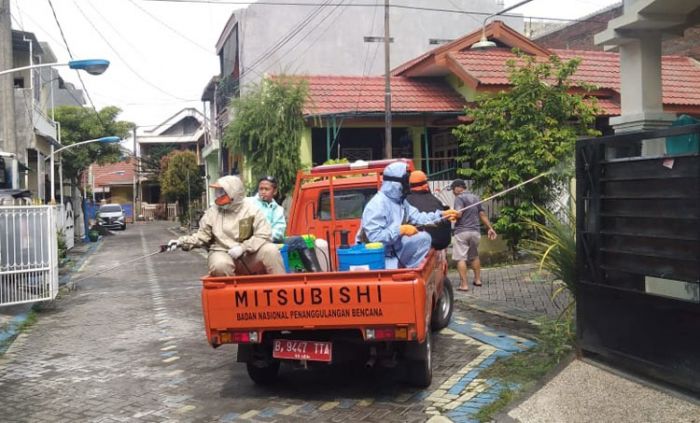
(314, 319)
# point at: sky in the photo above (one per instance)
(163, 53)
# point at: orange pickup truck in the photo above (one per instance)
(382, 317)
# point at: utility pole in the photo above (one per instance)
(189, 201)
(387, 84)
(8, 137)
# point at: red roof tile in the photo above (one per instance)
(609, 107)
(680, 75)
(348, 94)
(111, 174)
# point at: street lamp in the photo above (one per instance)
(91, 66)
(102, 140)
(484, 43)
(116, 172)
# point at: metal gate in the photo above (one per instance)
(638, 254)
(28, 254)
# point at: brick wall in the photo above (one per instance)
(579, 36)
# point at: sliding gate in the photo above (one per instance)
(638, 253)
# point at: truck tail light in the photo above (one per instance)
(228, 337)
(386, 333)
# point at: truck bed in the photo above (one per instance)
(300, 301)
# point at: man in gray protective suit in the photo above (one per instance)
(236, 232)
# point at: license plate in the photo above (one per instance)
(302, 350)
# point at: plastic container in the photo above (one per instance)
(683, 144)
(322, 255)
(93, 235)
(285, 256)
(359, 257)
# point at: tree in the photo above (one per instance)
(180, 180)
(151, 164)
(82, 124)
(519, 134)
(266, 129)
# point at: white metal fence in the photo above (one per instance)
(28, 254)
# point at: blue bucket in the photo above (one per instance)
(285, 256)
(358, 257)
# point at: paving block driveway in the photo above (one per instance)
(129, 345)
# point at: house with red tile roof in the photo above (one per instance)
(345, 114)
(112, 182)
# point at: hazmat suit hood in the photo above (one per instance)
(393, 189)
(233, 186)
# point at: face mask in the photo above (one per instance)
(403, 180)
(225, 207)
(221, 198)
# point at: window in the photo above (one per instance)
(349, 203)
(110, 208)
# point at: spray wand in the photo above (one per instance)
(498, 194)
(161, 249)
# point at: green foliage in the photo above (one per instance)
(81, 124)
(151, 164)
(555, 246)
(62, 246)
(524, 132)
(336, 161)
(180, 179)
(486, 413)
(266, 129)
(520, 372)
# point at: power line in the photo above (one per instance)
(77, 72)
(284, 40)
(456, 6)
(175, 31)
(289, 50)
(124, 61)
(365, 69)
(116, 31)
(395, 6)
(41, 74)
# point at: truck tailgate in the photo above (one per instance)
(318, 300)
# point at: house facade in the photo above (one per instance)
(345, 114)
(306, 38)
(185, 130)
(113, 183)
(35, 93)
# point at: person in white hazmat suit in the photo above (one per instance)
(236, 232)
(388, 218)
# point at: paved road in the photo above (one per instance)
(129, 345)
(520, 290)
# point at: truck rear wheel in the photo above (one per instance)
(420, 369)
(263, 374)
(444, 308)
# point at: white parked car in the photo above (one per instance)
(111, 216)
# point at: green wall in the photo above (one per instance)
(305, 148)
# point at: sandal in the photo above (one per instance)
(462, 289)
(477, 284)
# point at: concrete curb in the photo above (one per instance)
(66, 279)
(9, 333)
